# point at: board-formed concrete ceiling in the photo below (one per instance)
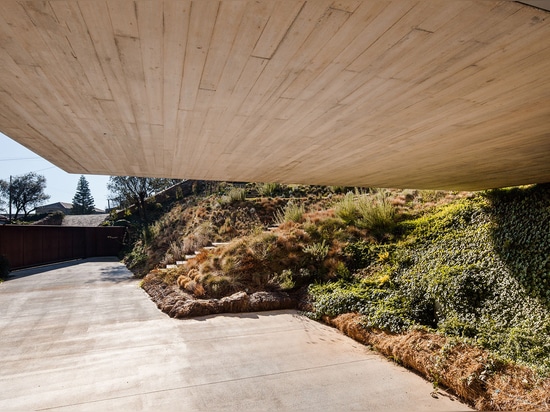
(404, 93)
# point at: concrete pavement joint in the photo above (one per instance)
(198, 385)
(245, 335)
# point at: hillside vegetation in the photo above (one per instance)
(454, 285)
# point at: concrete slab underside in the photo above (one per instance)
(83, 336)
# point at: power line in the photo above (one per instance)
(48, 168)
(19, 158)
(40, 170)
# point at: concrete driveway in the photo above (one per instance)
(84, 336)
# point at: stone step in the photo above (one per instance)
(189, 257)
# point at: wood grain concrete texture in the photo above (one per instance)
(425, 94)
(84, 336)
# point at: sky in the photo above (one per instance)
(17, 160)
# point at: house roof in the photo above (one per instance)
(60, 205)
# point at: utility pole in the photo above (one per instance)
(9, 196)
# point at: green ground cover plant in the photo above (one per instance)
(477, 269)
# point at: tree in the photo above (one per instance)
(27, 192)
(4, 194)
(83, 202)
(130, 190)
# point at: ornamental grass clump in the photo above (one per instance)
(347, 208)
(269, 189)
(377, 216)
(374, 213)
(318, 251)
(236, 194)
(290, 213)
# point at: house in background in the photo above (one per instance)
(63, 207)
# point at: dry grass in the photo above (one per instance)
(252, 263)
(191, 285)
(469, 372)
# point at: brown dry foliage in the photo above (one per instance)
(467, 371)
(250, 263)
(318, 216)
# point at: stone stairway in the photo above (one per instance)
(197, 252)
(213, 246)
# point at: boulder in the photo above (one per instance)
(180, 305)
(261, 301)
(236, 303)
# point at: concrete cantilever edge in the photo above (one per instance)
(83, 336)
(424, 94)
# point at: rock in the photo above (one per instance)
(199, 307)
(261, 301)
(236, 303)
(179, 305)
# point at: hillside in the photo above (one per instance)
(453, 285)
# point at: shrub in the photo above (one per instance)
(361, 254)
(4, 267)
(327, 228)
(137, 259)
(378, 215)
(174, 253)
(521, 235)
(339, 189)
(374, 213)
(198, 239)
(292, 279)
(347, 209)
(285, 280)
(218, 286)
(191, 286)
(236, 194)
(269, 189)
(318, 251)
(290, 213)
(256, 262)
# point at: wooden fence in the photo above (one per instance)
(26, 246)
